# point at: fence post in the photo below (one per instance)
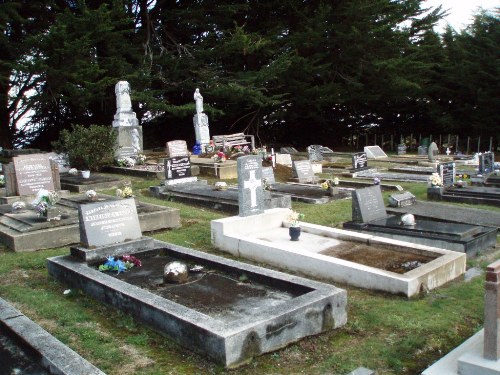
(479, 144)
(491, 143)
(468, 144)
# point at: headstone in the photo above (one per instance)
(402, 199)
(250, 191)
(447, 173)
(268, 175)
(200, 122)
(359, 161)
(177, 167)
(129, 140)
(176, 148)
(32, 173)
(401, 149)
(302, 170)
(284, 159)
(374, 152)
(109, 222)
(61, 160)
(314, 152)
(326, 150)
(486, 162)
(288, 150)
(422, 150)
(368, 204)
(432, 152)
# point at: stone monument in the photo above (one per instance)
(126, 124)
(432, 152)
(250, 191)
(200, 122)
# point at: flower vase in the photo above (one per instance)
(294, 233)
(85, 174)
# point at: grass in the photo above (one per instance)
(391, 334)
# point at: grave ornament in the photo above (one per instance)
(200, 122)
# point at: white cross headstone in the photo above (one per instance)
(250, 191)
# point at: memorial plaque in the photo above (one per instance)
(177, 148)
(368, 204)
(422, 150)
(359, 161)
(402, 199)
(447, 173)
(268, 175)
(33, 172)
(288, 150)
(178, 167)
(250, 191)
(374, 152)
(303, 170)
(432, 152)
(486, 162)
(283, 159)
(314, 152)
(106, 223)
(401, 149)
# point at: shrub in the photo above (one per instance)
(87, 148)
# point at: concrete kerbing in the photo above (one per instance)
(57, 358)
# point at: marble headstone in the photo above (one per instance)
(32, 172)
(432, 152)
(109, 222)
(368, 204)
(314, 152)
(250, 191)
(176, 148)
(302, 170)
(283, 159)
(374, 152)
(288, 150)
(268, 175)
(447, 173)
(124, 115)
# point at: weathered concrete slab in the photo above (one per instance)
(280, 310)
(265, 238)
(473, 195)
(79, 184)
(308, 193)
(56, 357)
(388, 176)
(27, 232)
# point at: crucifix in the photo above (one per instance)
(252, 183)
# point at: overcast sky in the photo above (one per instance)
(460, 11)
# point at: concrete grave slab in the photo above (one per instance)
(322, 252)
(472, 195)
(78, 184)
(214, 313)
(374, 152)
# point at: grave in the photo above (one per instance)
(402, 149)
(224, 170)
(28, 349)
(390, 176)
(432, 152)
(314, 152)
(447, 173)
(357, 259)
(78, 184)
(303, 172)
(471, 195)
(480, 354)
(369, 216)
(227, 310)
(486, 162)
(284, 159)
(24, 231)
(359, 162)
(288, 150)
(402, 199)
(374, 152)
(200, 123)
(178, 164)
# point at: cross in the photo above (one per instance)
(169, 169)
(252, 183)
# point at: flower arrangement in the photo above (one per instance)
(73, 171)
(435, 180)
(219, 157)
(18, 206)
(330, 183)
(91, 194)
(120, 265)
(44, 200)
(2, 180)
(126, 192)
(140, 159)
(126, 162)
(294, 218)
(376, 181)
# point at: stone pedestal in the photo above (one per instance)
(201, 130)
(128, 141)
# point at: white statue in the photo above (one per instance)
(123, 102)
(199, 101)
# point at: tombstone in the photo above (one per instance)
(288, 150)
(402, 199)
(367, 204)
(284, 159)
(447, 173)
(200, 123)
(422, 150)
(61, 160)
(27, 174)
(486, 162)
(401, 149)
(268, 175)
(314, 152)
(129, 140)
(303, 171)
(359, 161)
(374, 152)
(432, 152)
(250, 191)
(109, 222)
(178, 170)
(176, 148)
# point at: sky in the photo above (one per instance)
(460, 11)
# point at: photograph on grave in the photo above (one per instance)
(250, 190)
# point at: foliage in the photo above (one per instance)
(87, 148)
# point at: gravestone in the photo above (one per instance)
(447, 173)
(109, 222)
(250, 191)
(486, 162)
(401, 149)
(422, 150)
(302, 170)
(402, 199)
(359, 161)
(61, 161)
(283, 159)
(432, 152)
(268, 175)
(29, 173)
(374, 152)
(200, 123)
(125, 124)
(288, 150)
(178, 167)
(368, 205)
(314, 152)
(176, 148)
